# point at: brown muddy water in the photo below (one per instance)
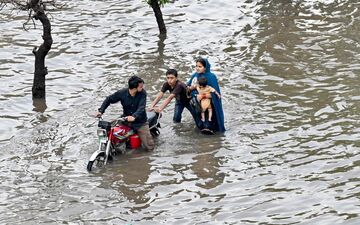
(289, 74)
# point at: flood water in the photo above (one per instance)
(289, 76)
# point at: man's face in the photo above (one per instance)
(140, 87)
(199, 68)
(171, 79)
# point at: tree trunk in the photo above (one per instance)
(38, 89)
(158, 14)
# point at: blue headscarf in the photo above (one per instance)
(213, 82)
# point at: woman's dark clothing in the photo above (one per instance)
(217, 123)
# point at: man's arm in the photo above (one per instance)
(110, 100)
(141, 107)
(156, 100)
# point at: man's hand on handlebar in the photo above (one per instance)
(98, 114)
(127, 118)
(130, 118)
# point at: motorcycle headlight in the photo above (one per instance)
(101, 132)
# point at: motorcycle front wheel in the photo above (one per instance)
(98, 162)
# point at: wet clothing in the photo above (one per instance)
(132, 106)
(179, 108)
(205, 102)
(182, 101)
(179, 91)
(217, 123)
(145, 137)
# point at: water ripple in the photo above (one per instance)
(288, 76)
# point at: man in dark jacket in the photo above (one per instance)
(133, 101)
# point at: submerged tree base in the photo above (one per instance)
(38, 90)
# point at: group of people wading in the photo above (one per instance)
(200, 95)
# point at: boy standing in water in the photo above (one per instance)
(177, 90)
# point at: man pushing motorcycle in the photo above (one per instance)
(133, 101)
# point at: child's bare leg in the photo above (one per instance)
(210, 114)
(203, 116)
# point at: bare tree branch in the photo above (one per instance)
(30, 4)
(36, 11)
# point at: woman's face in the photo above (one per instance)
(200, 68)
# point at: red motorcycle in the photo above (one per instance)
(118, 138)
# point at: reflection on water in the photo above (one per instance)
(39, 105)
(288, 72)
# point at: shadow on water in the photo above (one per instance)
(128, 174)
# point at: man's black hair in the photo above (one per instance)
(202, 81)
(172, 72)
(134, 82)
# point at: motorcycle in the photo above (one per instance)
(118, 138)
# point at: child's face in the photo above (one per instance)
(171, 79)
(199, 68)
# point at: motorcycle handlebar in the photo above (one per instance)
(121, 119)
